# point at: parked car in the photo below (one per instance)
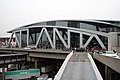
(26, 48)
(109, 53)
(29, 47)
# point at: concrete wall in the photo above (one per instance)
(113, 40)
(113, 63)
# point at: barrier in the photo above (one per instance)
(97, 73)
(62, 68)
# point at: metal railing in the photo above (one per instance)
(62, 68)
(97, 73)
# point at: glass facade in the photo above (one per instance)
(87, 26)
(61, 23)
(81, 24)
(73, 24)
(44, 41)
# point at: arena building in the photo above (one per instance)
(69, 34)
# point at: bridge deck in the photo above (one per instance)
(79, 68)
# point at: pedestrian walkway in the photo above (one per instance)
(79, 68)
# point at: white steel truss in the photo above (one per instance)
(81, 40)
(88, 41)
(56, 32)
(27, 37)
(48, 36)
(39, 37)
(10, 38)
(61, 38)
(17, 41)
(100, 42)
(68, 38)
(90, 38)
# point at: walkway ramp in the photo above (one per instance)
(79, 67)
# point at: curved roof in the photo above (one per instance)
(95, 22)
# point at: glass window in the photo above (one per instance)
(73, 24)
(87, 26)
(102, 29)
(61, 23)
(51, 23)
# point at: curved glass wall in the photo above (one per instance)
(87, 26)
(81, 24)
(61, 23)
(73, 24)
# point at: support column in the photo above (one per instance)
(68, 38)
(27, 37)
(81, 40)
(54, 39)
(35, 64)
(106, 72)
(20, 39)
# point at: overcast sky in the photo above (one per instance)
(16, 13)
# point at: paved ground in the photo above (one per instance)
(79, 68)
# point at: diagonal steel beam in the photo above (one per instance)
(17, 39)
(100, 42)
(39, 37)
(61, 38)
(88, 41)
(48, 36)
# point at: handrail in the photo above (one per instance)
(97, 73)
(62, 68)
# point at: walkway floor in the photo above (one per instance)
(79, 68)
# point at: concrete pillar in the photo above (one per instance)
(20, 39)
(54, 39)
(68, 38)
(35, 64)
(106, 73)
(112, 40)
(81, 41)
(27, 37)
